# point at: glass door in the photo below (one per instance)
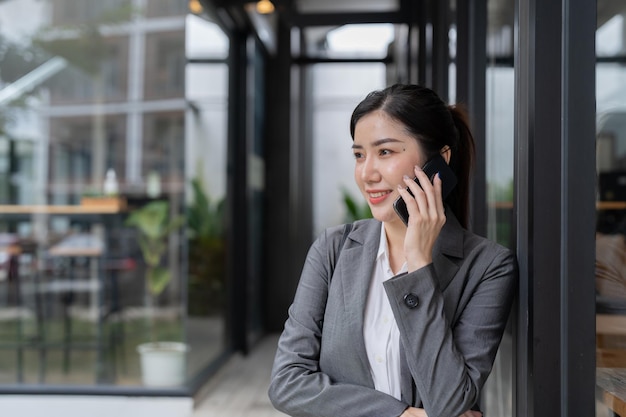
(610, 273)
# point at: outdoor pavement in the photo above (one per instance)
(239, 389)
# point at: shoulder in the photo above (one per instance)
(481, 256)
(330, 241)
(494, 259)
(457, 242)
(477, 242)
(488, 246)
(358, 231)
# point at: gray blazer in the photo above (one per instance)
(451, 316)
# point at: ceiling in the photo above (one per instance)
(500, 11)
(333, 13)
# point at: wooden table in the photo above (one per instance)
(61, 209)
(608, 328)
(612, 385)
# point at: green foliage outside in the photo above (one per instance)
(205, 219)
(501, 193)
(502, 198)
(154, 226)
(356, 209)
(207, 257)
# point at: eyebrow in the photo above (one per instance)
(378, 142)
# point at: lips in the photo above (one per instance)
(376, 197)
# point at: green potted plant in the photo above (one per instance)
(162, 362)
(205, 223)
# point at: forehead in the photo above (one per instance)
(378, 125)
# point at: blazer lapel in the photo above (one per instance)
(357, 263)
(356, 266)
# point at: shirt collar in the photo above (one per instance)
(382, 244)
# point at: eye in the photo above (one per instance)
(384, 152)
(358, 155)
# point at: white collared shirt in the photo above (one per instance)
(380, 331)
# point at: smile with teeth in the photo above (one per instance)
(379, 194)
(378, 197)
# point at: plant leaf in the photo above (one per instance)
(158, 278)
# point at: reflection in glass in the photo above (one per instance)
(498, 393)
(87, 88)
(610, 276)
(499, 140)
(164, 74)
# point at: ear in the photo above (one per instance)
(446, 152)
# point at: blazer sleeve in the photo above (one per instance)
(298, 387)
(449, 362)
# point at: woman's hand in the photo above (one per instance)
(419, 412)
(426, 218)
(414, 412)
(471, 413)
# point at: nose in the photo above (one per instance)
(369, 170)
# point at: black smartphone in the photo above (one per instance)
(448, 181)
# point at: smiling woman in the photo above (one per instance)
(392, 319)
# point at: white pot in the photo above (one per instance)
(163, 364)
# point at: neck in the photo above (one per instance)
(395, 243)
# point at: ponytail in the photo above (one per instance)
(462, 163)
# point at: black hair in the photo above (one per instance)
(434, 124)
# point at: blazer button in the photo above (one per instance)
(411, 300)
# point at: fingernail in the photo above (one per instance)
(417, 168)
(438, 175)
(400, 186)
(406, 177)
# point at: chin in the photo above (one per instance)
(384, 215)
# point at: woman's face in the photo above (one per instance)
(384, 153)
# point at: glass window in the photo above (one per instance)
(90, 76)
(165, 8)
(499, 141)
(165, 57)
(610, 272)
(162, 152)
(71, 155)
(112, 191)
(498, 392)
(80, 11)
(205, 172)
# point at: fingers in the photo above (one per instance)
(426, 199)
(438, 186)
(426, 218)
(415, 201)
(432, 190)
